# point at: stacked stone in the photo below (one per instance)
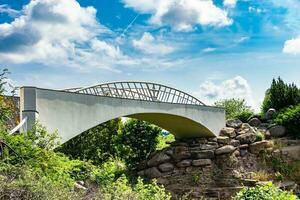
(175, 165)
(237, 137)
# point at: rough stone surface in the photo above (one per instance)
(254, 122)
(166, 167)
(152, 172)
(158, 158)
(201, 162)
(205, 154)
(235, 143)
(181, 152)
(234, 123)
(184, 163)
(256, 147)
(215, 167)
(228, 131)
(277, 131)
(225, 150)
(246, 138)
(270, 114)
(223, 140)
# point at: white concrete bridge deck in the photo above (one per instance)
(74, 111)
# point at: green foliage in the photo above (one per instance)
(264, 192)
(33, 172)
(5, 107)
(109, 172)
(42, 138)
(23, 182)
(163, 140)
(280, 95)
(245, 115)
(121, 189)
(97, 144)
(235, 109)
(290, 118)
(259, 136)
(138, 139)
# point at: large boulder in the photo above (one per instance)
(270, 114)
(228, 131)
(227, 149)
(257, 147)
(158, 158)
(276, 131)
(234, 123)
(254, 122)
(246, 138)
(152, 172)
(223, 140)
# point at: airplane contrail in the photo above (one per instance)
(129, 25)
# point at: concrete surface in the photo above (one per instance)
(73, 113)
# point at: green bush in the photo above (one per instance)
(138, 139)
(98, 144)
(259, 136)
(235, 109)
(245, 115)
(264, 192)
(290, 118)
(163, 139)
(280, 95)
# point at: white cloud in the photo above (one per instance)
(58, 32)
(292, 46)
(182, 15)
(230, 3)
(148, 44)
(209, 49)
(238, 87)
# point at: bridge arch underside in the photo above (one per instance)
(180, 127)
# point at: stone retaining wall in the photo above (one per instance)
(215, 167)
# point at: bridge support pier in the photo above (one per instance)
(28, 108)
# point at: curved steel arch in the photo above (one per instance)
(136, 90)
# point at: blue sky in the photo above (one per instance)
(212, 49)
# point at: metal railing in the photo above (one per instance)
(139, 91)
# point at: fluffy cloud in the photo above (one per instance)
(230, 3)
(149, 45)
(182, 15)
(56, 32)
(237, 87)
(292, 46)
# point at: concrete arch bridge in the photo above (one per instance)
(73, 111)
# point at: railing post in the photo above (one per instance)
(28, 107)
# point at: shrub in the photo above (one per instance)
(290, 118)
(259, 136)
(163, 139)
(138, 139)
(264, 192)
(245, 115)
(235, 108)
(98, 144)
(280, 95)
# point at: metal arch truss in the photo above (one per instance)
(140, 91)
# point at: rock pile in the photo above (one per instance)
(216, 164)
